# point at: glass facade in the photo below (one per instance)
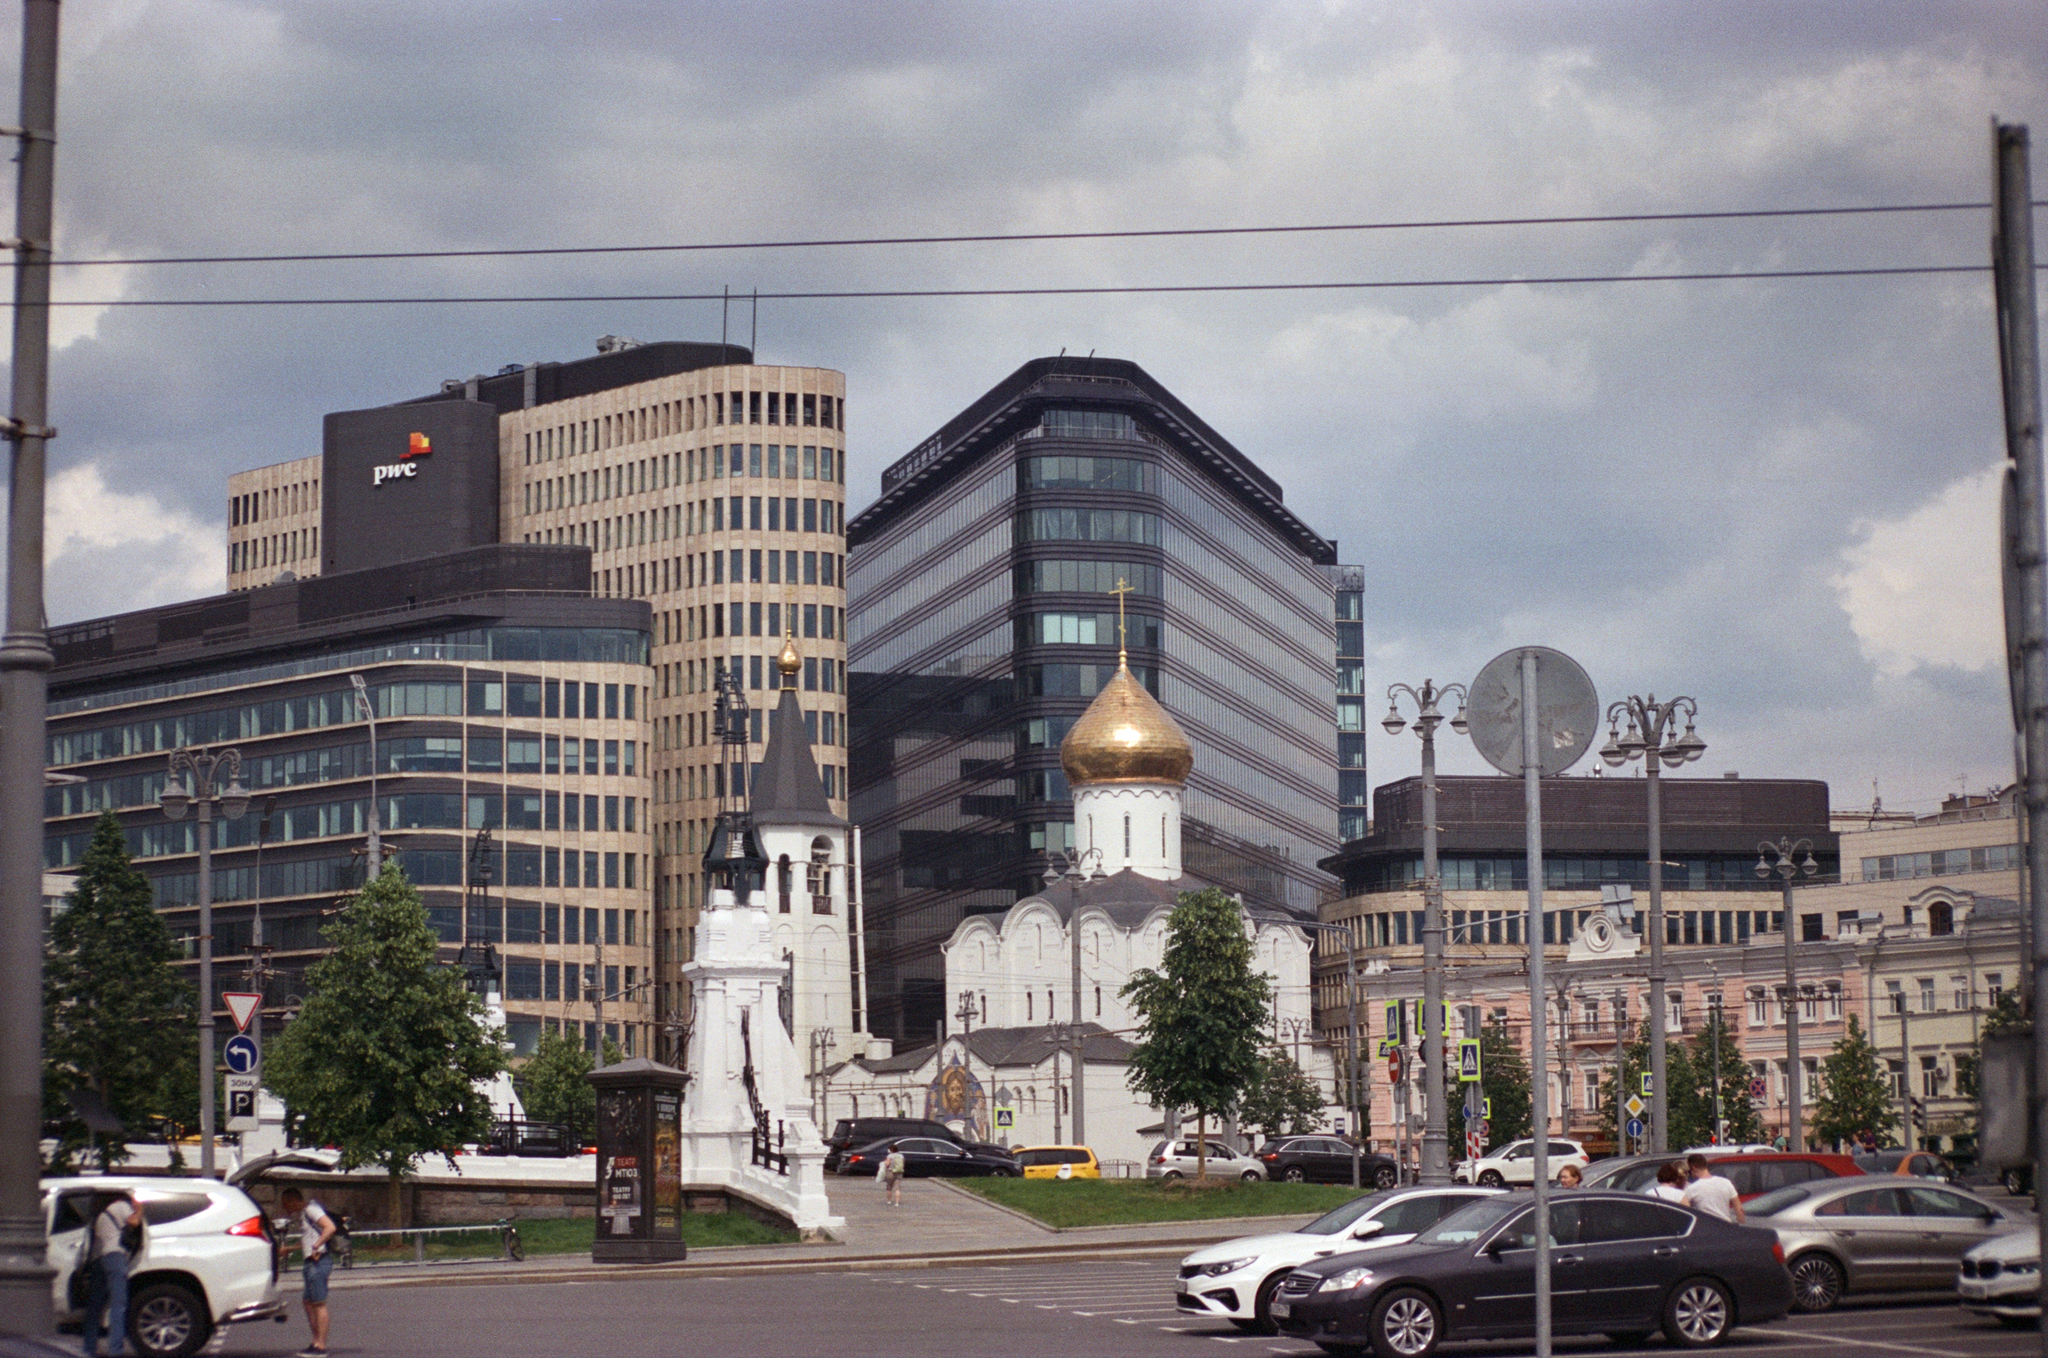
(981, 623)
(1354, 792)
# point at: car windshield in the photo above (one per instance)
(1626, 1177)
(1777, 1201)
(1467, 1224)
(1331, 1223)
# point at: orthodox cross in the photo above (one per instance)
(1123, 587)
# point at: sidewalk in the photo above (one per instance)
(937, 1225)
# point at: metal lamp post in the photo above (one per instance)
(203, 792)
(369, 711)
(1075, 872)
(1714, 1003)
(1436, 1167)
(1650, 739)
(1778, 858)
(1357, 1128)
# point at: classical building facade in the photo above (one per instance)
(983, 610)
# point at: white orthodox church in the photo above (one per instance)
(1005, 1071)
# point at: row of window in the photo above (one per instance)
(1076, 681)
(516, 865)
(763, 567)
(1088, 424)
(1942, 863)
(695, 782)
(299, 497)
(1511, 874)
(685, 730)
(760, 618)
(1067, 576)
(274, 549)
(681, 417)
(1400, 928)
(1086, 525)
(1087, 629)
(1087, 473)
(764, 514)
(784, 462)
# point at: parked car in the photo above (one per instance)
(209, 1258)
(1857, 1235)
(1916, 1164)
(2017, 1180)
(1047, 1162)
(1635, 1265)
(850, 1132)
(1177, 1160)
(1236, 1279)
(1515, 1163)
(2001, 1278)
(1752, 1173)
(928, 1157)
(1325, 1160)
(521, 1136)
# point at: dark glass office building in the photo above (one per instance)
(981, 620)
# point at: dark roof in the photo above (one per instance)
(788, 790)
(521, 385)
(1011, 1047)
(1127, 897)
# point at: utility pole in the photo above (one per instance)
(1620, 1072)
(1905, 1072)
(1714, 1012)
(24, 689)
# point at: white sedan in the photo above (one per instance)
(2002, 1278)
(1236, 1279)
(1515, 1164)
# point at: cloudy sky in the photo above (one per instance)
(1777, 496)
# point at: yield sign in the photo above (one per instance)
(242, 1007)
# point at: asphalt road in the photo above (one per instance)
(1105, 1308)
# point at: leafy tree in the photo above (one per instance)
(1692, 1104)
(1855, 1092)
(1282, 1100)
(119, 1022)
(553, 1086)
(1504, 1079)
(1689, 1103)
(1199, 1015)
(385, 1059)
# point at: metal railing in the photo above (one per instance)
(344, 1247)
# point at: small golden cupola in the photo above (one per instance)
(1125, 736)
(789, 664)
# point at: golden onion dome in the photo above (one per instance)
(1125, 736)
(789, 662)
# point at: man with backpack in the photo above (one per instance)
(317, 1228)
(116, 1237)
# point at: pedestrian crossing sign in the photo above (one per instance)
(1468, 1060)
(1646, 1084)
(1006, 1118)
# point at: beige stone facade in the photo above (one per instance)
(273, 523)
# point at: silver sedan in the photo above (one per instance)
(1871, 1233)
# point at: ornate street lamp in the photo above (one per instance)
(1436, 1166)
(207, 769)
(1086, 864)
(1649, 739)
(1778, 858)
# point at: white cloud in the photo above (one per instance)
(110, 551)
(1923, 589)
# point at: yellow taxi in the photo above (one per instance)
(1058, 1162)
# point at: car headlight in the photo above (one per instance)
(1350, 1280)
(1227, 1266)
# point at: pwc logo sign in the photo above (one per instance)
(416, 445)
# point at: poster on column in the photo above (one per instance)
(620, 1191)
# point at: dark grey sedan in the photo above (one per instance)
(1620, 1264)
(1874, 1233)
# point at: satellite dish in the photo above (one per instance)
(1567, 711)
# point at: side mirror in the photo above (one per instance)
(1368, 1229)
(1495, 1246)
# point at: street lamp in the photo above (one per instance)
(1436, 1166)
(1649, 739)
(206, 769)
(1086, 864)
(369, 711)
(1778, 858)
(1714, 1002)
(1351, 1001)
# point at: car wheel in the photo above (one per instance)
(1295, 1174)
(167, 1321)
(1248, 1326)
(1385, 1177)
(1816, 1283)
(1492, 1179)
(1406, 1324)
(1171, 1174)
(1698, 1314)
(1262, 1305)
(1250, 1176)
(1000, 1174)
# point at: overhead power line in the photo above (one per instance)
(1436, 224)
(1118, 289)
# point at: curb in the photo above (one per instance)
(1198, 1228)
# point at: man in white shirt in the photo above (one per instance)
(316, 1229)
(106, 1291)
(1710, 1193)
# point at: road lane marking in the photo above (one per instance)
(1815, 1336)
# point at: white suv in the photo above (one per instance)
(209, 1258)
(1515, 1163)
(1237, 1278)
(1176, 1160)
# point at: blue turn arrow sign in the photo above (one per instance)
(240, 1054)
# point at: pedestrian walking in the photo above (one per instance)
(1710, 1193)
(1569, 1177)
(892, 1176)
(316, 1231)
(1670, 1184)
(116, 1237)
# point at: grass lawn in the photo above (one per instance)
(1120, 1202)
(573, 1235)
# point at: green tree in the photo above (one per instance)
(1692, 1104)
(1200, 1014)
(553, 1084)
(119, 1022)
(1282, 1100)
(1689, 1117)
(385, 1059)
(1504, 1081)
(1855, 1092)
